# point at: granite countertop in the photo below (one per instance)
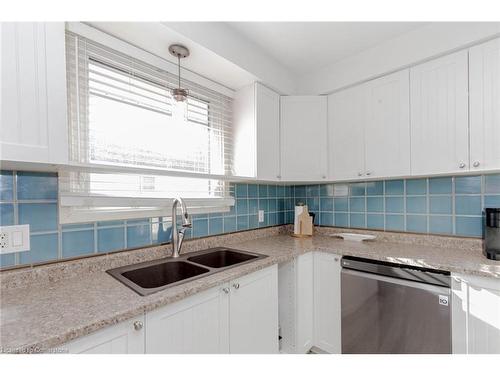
(44, 316)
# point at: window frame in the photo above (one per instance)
(83, 207)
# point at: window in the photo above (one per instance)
(123, 117)
(133, 121)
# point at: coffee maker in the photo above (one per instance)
(491, 235)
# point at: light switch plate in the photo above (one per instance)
(14, 238)
(261, 216)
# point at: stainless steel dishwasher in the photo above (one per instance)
(392, 308)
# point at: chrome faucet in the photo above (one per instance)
(178, 234)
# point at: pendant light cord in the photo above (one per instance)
(179, 67)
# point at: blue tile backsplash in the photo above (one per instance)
(437, 205)
(442, 205)
(32, 198)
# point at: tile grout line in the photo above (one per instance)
(427, 205)
(453, 209)
(384, 205)
(16, 212)
(95, 238)
(405, 212)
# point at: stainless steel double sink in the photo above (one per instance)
(150, 277)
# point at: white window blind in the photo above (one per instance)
(122, 117)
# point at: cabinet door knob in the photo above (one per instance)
(323, 177)
(236, 286)
(225, 290)
(476, 164)
(462, 165)
(360, 174)
(369, 173)
(278, 176)
(138, 325)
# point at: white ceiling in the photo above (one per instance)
(155, 38)
(303, 47)
(299, 57)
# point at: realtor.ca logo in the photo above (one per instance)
(443, 300)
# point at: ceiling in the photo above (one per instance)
(282, 55)
(303, 47)
(155, 38)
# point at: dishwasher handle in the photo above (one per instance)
(411, 284)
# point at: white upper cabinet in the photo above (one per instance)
(369, 129)
(33, 100)
(257, 133)
(387, 129)
(304, 138)
(484, 86)
(439, 115)
(346, 122)
(268, 133)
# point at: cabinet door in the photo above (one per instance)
(439, 115)
(327, 321)
(459, 301)
(267, 116)
(387, 129)
(122, 338)
(196, 325)
(33, 99)
(484, 78)
(476, 314)
(305, 303)
(303, 138)
(346, 122)
(253, 312)
(483, 315)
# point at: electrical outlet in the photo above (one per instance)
(261, 216)
(4, 240)
(14, 238)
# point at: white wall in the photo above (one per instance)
(410, 48)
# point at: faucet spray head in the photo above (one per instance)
(186, 220)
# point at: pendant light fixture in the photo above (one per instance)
(181, 52)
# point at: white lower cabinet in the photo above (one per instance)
(242, 316)
(253, 313)
(237, 317)
(305, 300)
(327, 323)
(198, 324)
(296, 304)
(122, 338)
(475, 315)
